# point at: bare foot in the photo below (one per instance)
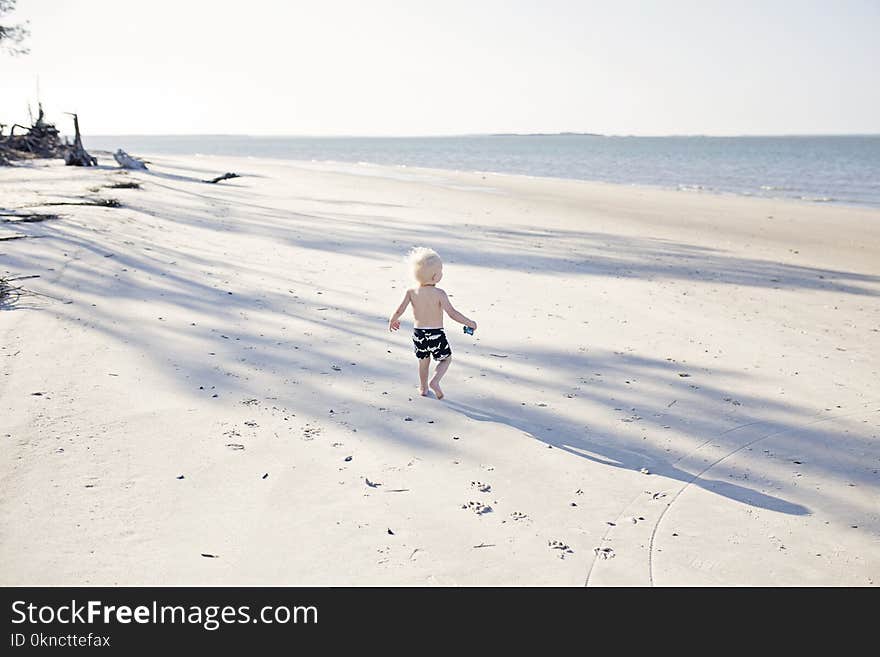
(436, 388)
(423, 391)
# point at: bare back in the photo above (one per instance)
(427, 302)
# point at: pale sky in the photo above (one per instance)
(418, 67)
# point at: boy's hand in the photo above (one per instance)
(472, 326)
(394, 324)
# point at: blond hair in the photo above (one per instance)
(424, 263)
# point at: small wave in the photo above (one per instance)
(818, 199)
(775, 188)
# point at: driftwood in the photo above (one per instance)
(126, 161)
(225, 176)
(25, 218)
(100, 203)
(76, 154)
(39, 140)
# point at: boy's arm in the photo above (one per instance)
(453, 313)
(394, 322)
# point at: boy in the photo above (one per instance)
(429, 302)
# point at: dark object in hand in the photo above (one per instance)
(468, 330)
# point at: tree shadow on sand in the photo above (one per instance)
(607, 455)
(244, 357)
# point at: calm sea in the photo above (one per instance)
(837, 169)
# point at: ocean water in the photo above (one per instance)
(832, 169)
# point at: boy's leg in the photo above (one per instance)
(442, 366)
(424, 364)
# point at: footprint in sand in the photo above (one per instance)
(516, 515)
(604, 552)
(477, 507)
(480, 486)
(559, 545)
(310, 432)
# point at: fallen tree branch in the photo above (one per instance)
(101, 203)
(225, 176)
(26, 218)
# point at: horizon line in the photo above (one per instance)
(478, 134)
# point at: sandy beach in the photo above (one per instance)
(666, 388)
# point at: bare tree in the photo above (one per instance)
(12, 36)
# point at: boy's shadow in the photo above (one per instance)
(566, 440)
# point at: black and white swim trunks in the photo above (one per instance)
(431, 342)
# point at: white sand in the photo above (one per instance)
(254, 313)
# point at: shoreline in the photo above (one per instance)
(680, 188)
(340, 165)
(665, 388)
(815, 170)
